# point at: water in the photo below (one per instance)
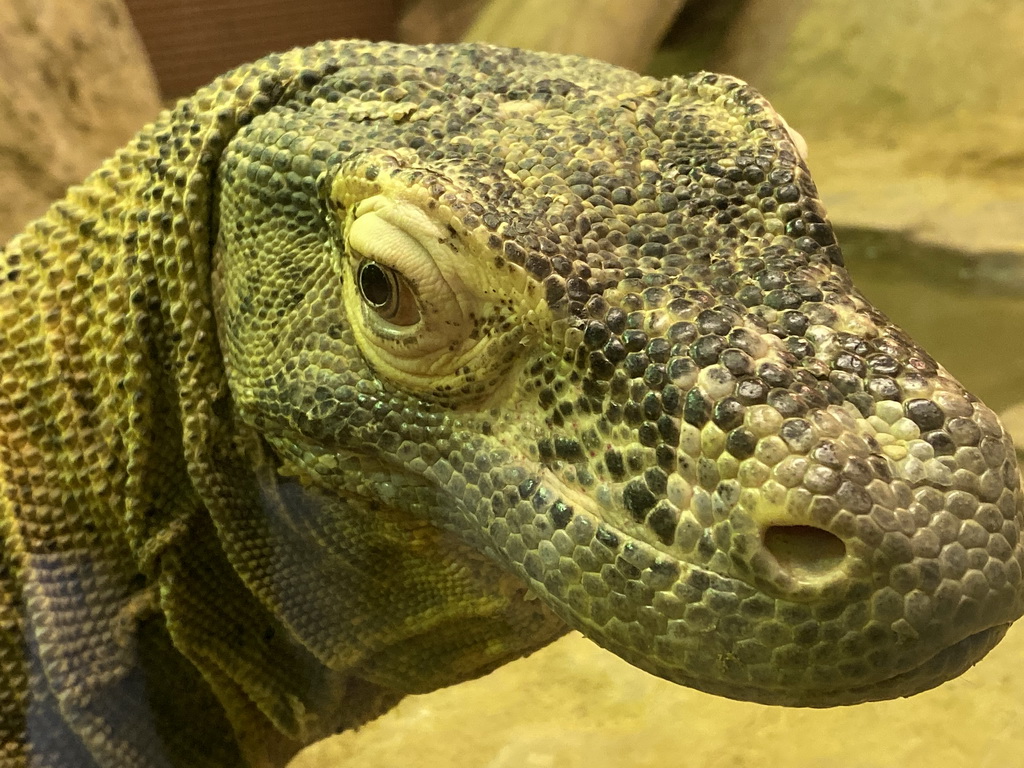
(967, 311)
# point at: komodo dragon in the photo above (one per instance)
(369, 368)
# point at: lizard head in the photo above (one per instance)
(597, 328)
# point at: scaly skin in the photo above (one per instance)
(370, 368)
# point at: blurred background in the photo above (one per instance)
(914, 115)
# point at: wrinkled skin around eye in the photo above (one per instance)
(398, 236)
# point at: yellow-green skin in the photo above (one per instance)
(242, 509)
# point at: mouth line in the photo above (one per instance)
(927, 672)
(946, 664)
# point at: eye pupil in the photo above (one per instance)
(376, 285)
(388, 293)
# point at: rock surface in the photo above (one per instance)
(1013, 420)
(75, 84)
(623, 33)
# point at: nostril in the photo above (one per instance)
(803, 551)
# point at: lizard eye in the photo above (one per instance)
(388, 294)
(409, 308)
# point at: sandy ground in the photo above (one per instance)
(574, 705)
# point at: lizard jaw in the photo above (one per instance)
(722, 635)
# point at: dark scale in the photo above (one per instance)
(884, 388)
(663, 520)
(728, 413)
(741, 443)
(638, 499)
(737, 362)
(926, 414)
(705, 350)
(697, 408)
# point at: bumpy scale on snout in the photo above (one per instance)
(597, 326)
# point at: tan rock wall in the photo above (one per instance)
(74, 85)
(894, 74)
(623, 33)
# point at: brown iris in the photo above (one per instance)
(388, 294)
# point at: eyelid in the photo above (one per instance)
(397, 241)
(377, 239)
(460, 290)
(398, 235)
